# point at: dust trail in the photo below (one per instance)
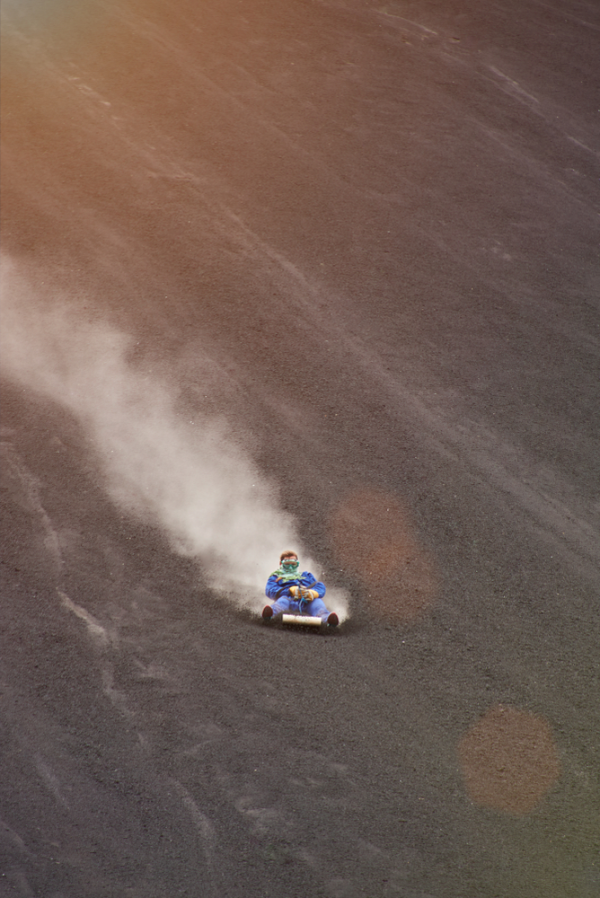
(189, 478)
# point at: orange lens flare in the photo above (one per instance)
(509, 760)
(373, 538)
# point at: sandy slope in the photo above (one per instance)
(324, 271)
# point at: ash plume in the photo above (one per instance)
(188, 478)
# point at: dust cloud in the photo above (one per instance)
(187, 477)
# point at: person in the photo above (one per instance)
(296, 593)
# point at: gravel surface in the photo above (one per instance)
(320, 273)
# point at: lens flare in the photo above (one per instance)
(509, 760)
(373, 538)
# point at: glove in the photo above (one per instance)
(294, 591)
(309, 595)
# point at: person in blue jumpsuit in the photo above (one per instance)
(296, 593)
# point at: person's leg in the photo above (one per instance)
(282, 605)
(318, 608)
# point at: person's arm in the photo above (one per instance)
(272, 589)
(275, 588)
(314, 585)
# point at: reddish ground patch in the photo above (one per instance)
(509, 760)
(373, 537)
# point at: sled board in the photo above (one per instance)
(302, 620)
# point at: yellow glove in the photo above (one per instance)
(294, 590)
(311, 594)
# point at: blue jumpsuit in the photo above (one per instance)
(280, 591)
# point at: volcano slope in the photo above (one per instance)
(319, 271)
